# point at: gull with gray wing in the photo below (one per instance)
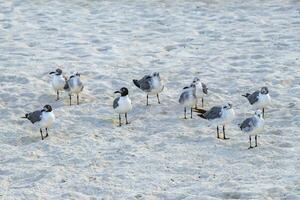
(188, 98)
(253, 125)
(43, 118)
(218, 115)
(58, 81)
(151, 84)
(259, 99)
(122, 104)
(201, 90)
(74, 86)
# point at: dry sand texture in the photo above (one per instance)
(233, 46)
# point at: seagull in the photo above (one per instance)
(259, 99)
(74, 86)
(219, 115)
(188, 98)
(44, 118)
(253, 125)
(151, 84)
(201, 90)
(58, 81)
(122, 104)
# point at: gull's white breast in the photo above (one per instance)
(226, 117)
(259, 126)
(157, 86)
(124, 105)
(47, 119)
(76, 86)
(58, 82)
(191, 100)
(263, 101)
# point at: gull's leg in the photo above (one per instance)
(70, 96)
(57, 95)
(202, 102)
(263, 112)
(77, 99)
(250, 147)
(191, 113)
(225, 138)
(158, 98)
(46, 133)
(41, 133)
(184, 112)
(147, 100)
(126, 118)
(120, 124)
(255, 140)
(218, 132)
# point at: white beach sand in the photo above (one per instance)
(235, 47)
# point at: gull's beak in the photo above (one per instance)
(52, 73)
(117, 92)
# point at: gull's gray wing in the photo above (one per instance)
(214, 113)
(145, 83)
(248, 124)
(35, 116)
(183, 97)
(116, 104)
(252, 98)
(71, 83)
(204, 88)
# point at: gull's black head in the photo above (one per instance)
(264, 90)
(227, 106)
(123, 91)
(57, 72)
(47, 108)
(77, 74)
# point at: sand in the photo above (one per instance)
(232, 46)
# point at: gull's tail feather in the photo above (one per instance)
(202, 116)
(136, 83)
(199, 110)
